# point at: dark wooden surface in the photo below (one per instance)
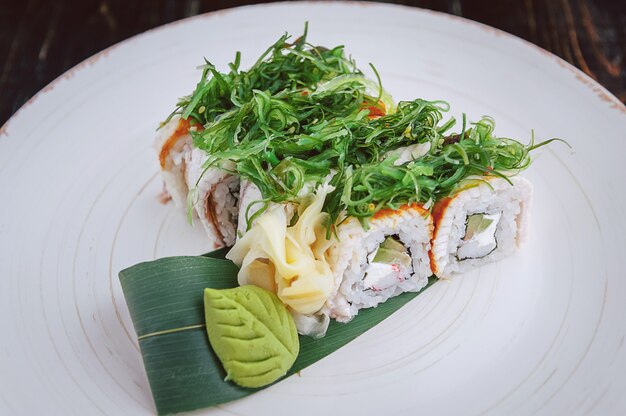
(39, 40)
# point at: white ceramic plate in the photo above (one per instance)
(539, 333)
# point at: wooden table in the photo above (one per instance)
(39, 40)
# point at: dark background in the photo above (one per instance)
(39, 40)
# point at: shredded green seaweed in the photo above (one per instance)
(283, 66)
(304, 114)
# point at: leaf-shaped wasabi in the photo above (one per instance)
(252, 333)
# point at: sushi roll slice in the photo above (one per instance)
(374, 264)
(479, 225)
(172, 143)
(214, 194)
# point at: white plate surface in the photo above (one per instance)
(541, 332)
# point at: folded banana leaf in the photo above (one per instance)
(165, 300)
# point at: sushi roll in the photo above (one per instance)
(212, 192)
(374, 264)
(479, 225)
(213, 196)
(172, 143)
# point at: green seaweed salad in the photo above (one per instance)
(304, 113)
(300, 116)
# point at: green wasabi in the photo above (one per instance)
(252, 334)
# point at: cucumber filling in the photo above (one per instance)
(480, 236)
(388, 266)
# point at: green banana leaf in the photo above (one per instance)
(165, 300)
